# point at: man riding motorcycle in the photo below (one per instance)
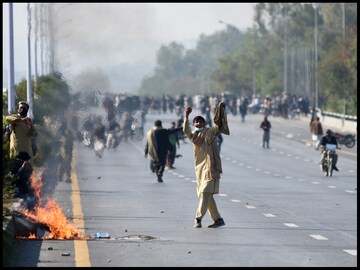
(329, 138)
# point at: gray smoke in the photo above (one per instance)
(117, 40)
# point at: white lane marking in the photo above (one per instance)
(241, 164)
(350, 191)
(315, 183)
(291, 225)
(249, 167)
(331, 187)
(351, 251)
(276, 175)
(301, 180)
(267, 172)
(318, 237)
(180, 175)
(250, 206)
(223, 195)
(269, 215)
(235, 200)
(193, 181)
(187, 178)
(288, 177)
(258, 170)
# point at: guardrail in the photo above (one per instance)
(341, 122)
(342, 116)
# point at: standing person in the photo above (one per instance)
(266, 126)
(219, 140)
(243, 108)
(174, 143)
(22, 148)
(317, 132)
(23, 134)
(157, 146)
(207, 162)
(179, 124)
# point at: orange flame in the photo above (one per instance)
(50, 214)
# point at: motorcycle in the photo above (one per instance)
(99, 147)
(112, 140)
(348, 140)
(137, 132)
(328, 163)
(86, 138)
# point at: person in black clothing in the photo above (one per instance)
(328, 139)
(266, 126)
(157, 147)
(174, 144)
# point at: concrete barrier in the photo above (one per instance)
(349, 126)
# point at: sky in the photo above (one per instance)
(120, 39)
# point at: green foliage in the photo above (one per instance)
(53, 96)
(278, 49)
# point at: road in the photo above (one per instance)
(279, 209)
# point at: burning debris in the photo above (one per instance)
(47, 213)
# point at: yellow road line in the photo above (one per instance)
(82, 258)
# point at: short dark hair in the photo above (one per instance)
(157, 123)
(198, 118)
(24, 103)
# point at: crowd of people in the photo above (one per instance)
(125, 119)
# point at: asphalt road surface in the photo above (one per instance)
(279, 208)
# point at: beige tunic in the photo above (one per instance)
(151, 148)
(207, 158)
(21, 135)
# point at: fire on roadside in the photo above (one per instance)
(48, 213)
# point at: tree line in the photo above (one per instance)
(306, 49)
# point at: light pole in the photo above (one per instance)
(285, 56)
(316, 57)
(29, 81)
(11, 88)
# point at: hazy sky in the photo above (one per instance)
(120, 38)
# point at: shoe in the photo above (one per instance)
(335, 168)
(159, 179)
(172, 167)
(218, 223)
(197, 223)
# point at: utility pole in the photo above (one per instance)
(11, 89)
(343, 19)
(29, 82)
(316, 58)
(285, 56)
(36, 8)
